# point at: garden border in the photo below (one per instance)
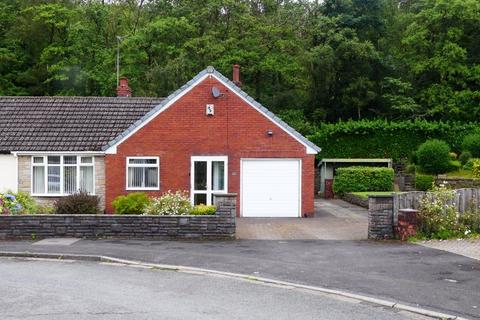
(219, 226)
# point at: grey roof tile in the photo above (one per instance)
(67, 123)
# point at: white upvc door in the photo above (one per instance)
(208, 175)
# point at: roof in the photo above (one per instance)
(190, 84)
(67, 123)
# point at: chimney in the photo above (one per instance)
(236, 75)
(123, 90)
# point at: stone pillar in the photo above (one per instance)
(407, 223)
(226, 204)
(380, 217)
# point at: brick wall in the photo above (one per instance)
(183, 130)
(380, 217)
(219, 226)
(25, 179)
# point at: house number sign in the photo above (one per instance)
(210, 110)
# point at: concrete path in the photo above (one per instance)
(79, 290)
(334, 220)
(465, 247)
(402, 272)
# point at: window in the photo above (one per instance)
(209, 176)
(143, 173)
(62, 175)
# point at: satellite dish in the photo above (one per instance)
(216, 92)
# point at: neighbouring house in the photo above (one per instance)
(328, 167)
(207, 137)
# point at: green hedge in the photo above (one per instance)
(424, 182)
(357, 179)
(384, 139)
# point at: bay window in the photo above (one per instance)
(59, 175)
(143, 173)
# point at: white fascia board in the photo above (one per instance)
(113, 149)
(27, 153)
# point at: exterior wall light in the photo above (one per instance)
(270, 133)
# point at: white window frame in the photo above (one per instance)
(62, 166)
(142, 165)
(209, 191)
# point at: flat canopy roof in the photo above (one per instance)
(358, 160)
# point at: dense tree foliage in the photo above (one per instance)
(330, 60)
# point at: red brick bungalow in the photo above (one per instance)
(207, 137)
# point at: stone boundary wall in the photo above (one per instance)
(218, 226)
(380, 217)
(356, 200)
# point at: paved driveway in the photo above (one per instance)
(334, 220)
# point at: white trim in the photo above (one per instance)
(62, 165)
(127, 165)
(113, 149)
(300, 172)
(58, 153)
(208, 192)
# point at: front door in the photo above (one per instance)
(208, 176)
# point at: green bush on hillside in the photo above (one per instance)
(357, 179)
(472, 143)
(433, 156)
(464, 157)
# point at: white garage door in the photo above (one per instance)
(270, 187)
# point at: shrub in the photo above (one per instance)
(9, 204)
(433, 156)
(170, 203)
(411, 168)
(78, 203)
(471, 221)
(437, 216)
(424, 182)
(476, 168)
(202, 209)
(468, 166)
(453, 156)
(454, 165)
(464, 157)
(472, 143)
(132, 203)
(357, 179)
(28, 203)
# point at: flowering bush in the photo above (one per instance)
(170, 203)
(438, 216)
(476, 168)
(9, 204)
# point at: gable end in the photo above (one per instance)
(111, 147)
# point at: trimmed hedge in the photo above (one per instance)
(357, 179)
(384, 139)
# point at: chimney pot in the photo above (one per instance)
(236, 75)
(123, 90)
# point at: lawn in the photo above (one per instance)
(365, 194)
(464, 174)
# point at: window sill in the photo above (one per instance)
(142, 189)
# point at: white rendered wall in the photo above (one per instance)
(8, 173)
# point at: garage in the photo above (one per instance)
(270, 187)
